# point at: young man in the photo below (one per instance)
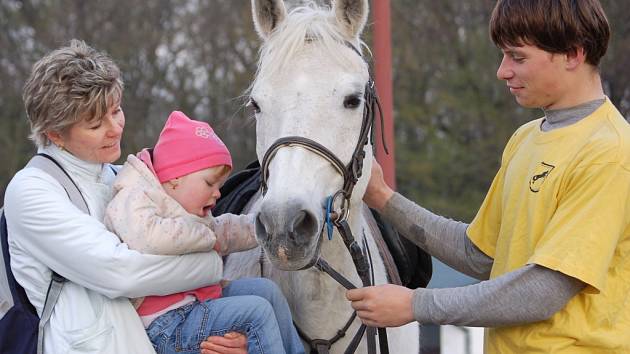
(552, 238)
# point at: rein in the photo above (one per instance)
(338, 218)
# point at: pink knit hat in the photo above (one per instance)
(186, 146)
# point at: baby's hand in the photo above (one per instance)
(234, 233)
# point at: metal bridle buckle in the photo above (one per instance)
(334, 216)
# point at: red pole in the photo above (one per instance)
(383, 71)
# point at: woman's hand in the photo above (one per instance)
(230, 343)
(378, 192)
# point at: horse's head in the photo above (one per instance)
(310, 84)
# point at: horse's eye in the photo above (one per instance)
(253, 105)
(352, 101)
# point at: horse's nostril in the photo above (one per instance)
(304, 224)
(261, 227)
(297, 221)
(299, 225)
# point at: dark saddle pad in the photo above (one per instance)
(414, 265)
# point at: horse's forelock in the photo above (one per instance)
(304, 25)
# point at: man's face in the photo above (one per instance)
(535, 77)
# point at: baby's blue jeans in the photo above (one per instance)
(255, 307)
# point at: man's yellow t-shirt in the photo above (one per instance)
(561, 199)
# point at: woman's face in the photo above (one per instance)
(96, 141)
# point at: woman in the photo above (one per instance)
(72, 101)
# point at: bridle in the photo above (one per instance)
(350, 172)
(337, 217)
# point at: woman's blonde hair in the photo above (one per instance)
(68, 85)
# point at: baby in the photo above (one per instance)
(162, 205)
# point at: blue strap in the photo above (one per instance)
(329, 224)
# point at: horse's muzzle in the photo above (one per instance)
(290, 235)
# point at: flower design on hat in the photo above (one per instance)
(206, 133)
(203, 132)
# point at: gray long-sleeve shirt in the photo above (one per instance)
(528, 294)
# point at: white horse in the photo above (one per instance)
(310, 83)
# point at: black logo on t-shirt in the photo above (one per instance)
(540, 174)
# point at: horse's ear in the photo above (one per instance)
(351, 15)
(267, 15)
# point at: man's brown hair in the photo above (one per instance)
(555, 26)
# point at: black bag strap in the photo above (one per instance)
(49, 165)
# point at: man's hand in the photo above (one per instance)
(378, 192)
(230, 343)
(383, 305)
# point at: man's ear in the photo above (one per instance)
(575, 58)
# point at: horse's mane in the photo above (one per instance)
(304, 25)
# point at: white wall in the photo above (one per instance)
(461, 340)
